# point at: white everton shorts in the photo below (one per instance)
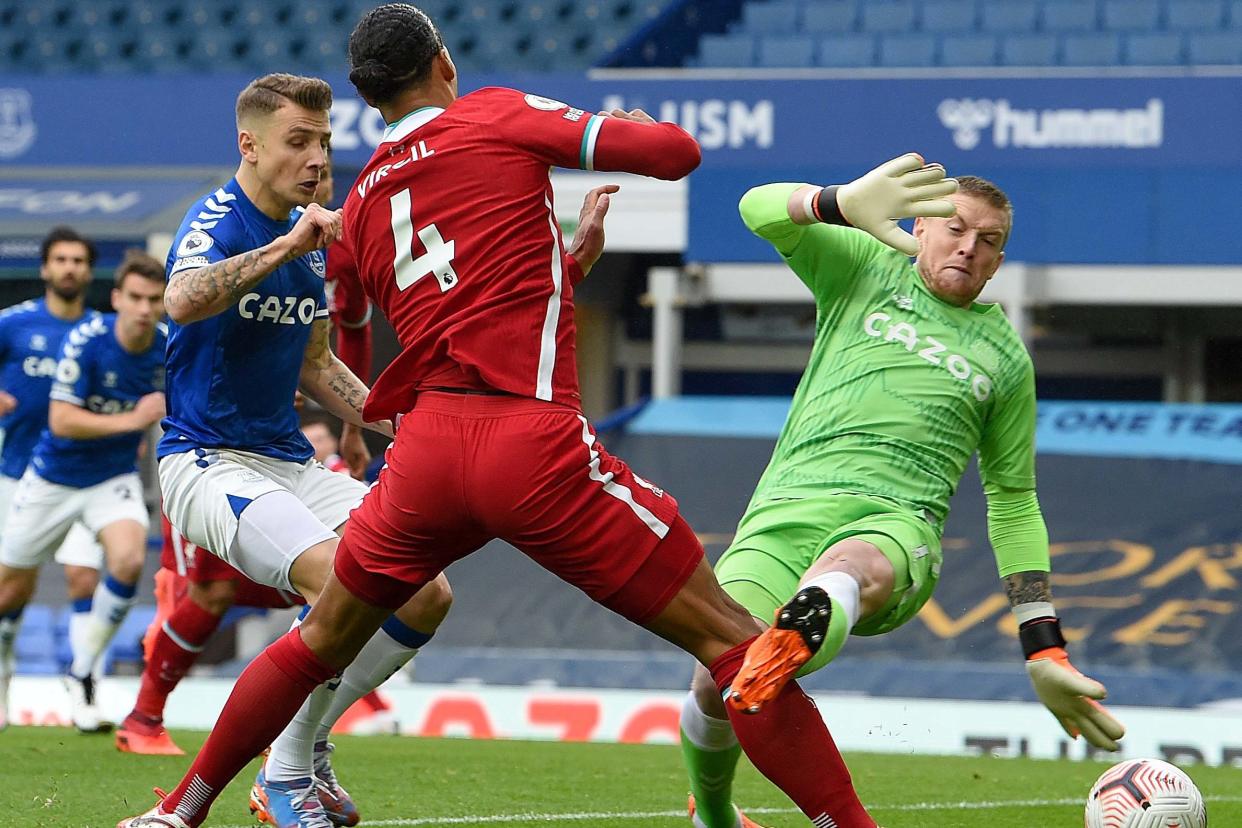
(44, 515)
(206, 491)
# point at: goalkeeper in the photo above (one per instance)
(907, 377)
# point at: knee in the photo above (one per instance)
(16, 588)
(214, 596)
(126, 566)
(429, 606)
(703, 688)
(80, 581)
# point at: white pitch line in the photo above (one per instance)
(587, 816)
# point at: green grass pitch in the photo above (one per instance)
(56, 778)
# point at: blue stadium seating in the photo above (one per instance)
(778, 17)
(830, 16)
(1194, 15)
(786, 51)
(847, 51)
(1154, 49)
(1215, 48)
(1131, 15)
(726, 50)
(1029, 50)
(949, 15)
(907, 50)
(1069, 15)
(1007, 16)
(35, 647)
(1091, 49)
(895, 16)
(1235, 14)
(968, 50)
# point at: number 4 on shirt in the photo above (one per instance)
(438, 258)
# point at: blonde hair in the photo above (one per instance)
(265, 95)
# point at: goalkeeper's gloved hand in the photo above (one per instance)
(1074, 699)
(902, 188)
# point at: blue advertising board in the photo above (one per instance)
(1102, 169)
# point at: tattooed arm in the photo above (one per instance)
(203, 292)
(329, 382)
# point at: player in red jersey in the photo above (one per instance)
(452, 229)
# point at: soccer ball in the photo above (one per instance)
(1145, 793)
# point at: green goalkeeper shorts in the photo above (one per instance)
(778, 540)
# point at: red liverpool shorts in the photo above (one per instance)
(467, 468)
(198, 566)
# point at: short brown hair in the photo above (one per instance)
(138, 263)
(989, 193)
(269, 93)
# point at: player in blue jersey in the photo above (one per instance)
(249, 327)
(108, 391)
(30, 337)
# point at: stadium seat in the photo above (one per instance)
(1131, 15)
(888, 16)
(1093, 49)
(1028, 50)
(311, 15)
(907, 50)
(1069, 15)
(1154, 49)
(830, 16)
(257, 18)
(846, 51)
(786, 51)
(1193, 15)
(968, 50)
(726, 50)
(949, 15)
(1009, 16)
(35, 647)
(1214, 48)
(761, 18)
(212, 50)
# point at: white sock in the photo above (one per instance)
(9, 626)
(842, 588)
(111, 603)
(705, 732)
(79, 625)
(382, 657)
(292, 755)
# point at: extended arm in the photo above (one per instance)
(329, 382)
(65, 419)
(203, 292)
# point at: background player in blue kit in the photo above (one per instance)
(30, 337)
(108, 390)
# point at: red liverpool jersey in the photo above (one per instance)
(350, 310)
(454, 237)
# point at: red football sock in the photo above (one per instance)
(790, 745)
(176, 647)
(267, 695)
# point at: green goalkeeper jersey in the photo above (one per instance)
(901, 388)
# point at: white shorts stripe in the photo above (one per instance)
(617, 490)
(552, 317)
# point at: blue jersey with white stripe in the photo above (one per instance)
(30, 338)
(96, 373)
(232, 377)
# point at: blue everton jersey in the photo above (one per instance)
(97, 374)
(30, 338)
(232, 377)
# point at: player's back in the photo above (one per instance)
(452, 227)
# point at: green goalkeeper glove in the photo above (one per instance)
(903, 188)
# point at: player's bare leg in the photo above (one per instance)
(16, 588)
(788, 741)
(852, 579)
(175, 646)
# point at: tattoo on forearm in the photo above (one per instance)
(346, 386)
(1026, 587)
(226, 280)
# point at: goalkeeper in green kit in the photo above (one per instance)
(907, 378)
